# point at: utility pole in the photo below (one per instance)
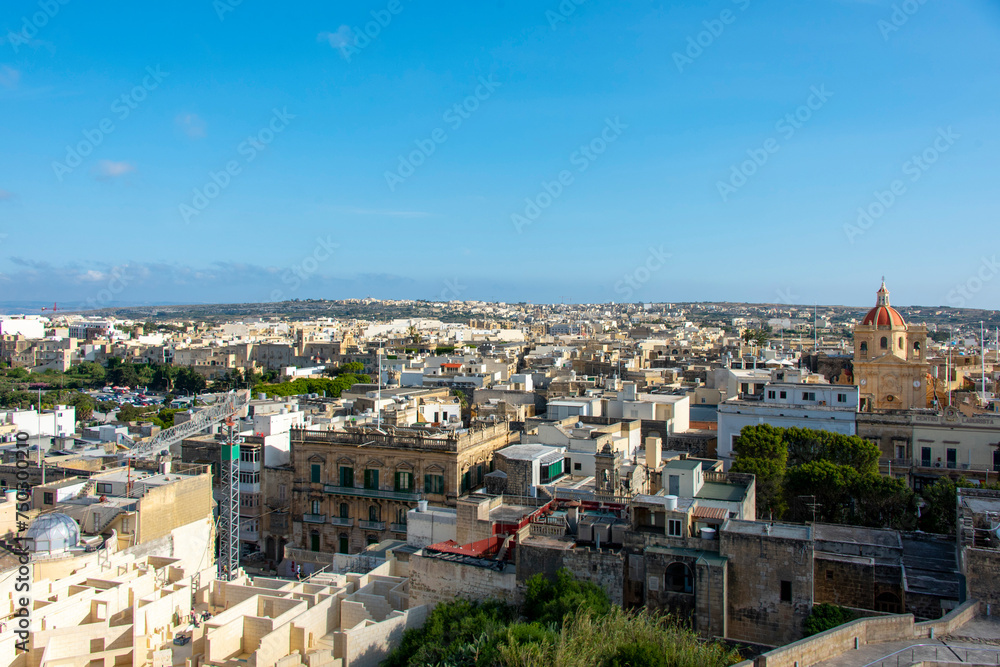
(982, 358)
(378, 400)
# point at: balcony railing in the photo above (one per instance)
(896, 463)
(360, 492)
(372, 525)
(397, 527)
(341, 521)
(314, 518)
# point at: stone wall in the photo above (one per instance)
(982, 572)
(164, 508)
(434, 580)
(854, 635)
(757, 567)
(519, 474)
(844, 581)
(604, 567)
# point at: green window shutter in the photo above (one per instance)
(427, 483)
(315, 473)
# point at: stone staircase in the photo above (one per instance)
(104, 517)
(87, 489)
(502, 553)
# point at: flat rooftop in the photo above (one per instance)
(765, 528)
(856, 535)
(526, 452)
(683, 464)
(732, 493)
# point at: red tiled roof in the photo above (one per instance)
(710, 512)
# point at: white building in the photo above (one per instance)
(673, 410)
(825, 407)
(58, 422)
(29, 327)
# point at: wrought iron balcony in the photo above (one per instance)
(314, 518)
(397, 527)
(372, 525)
(360, 492)
(341, 521)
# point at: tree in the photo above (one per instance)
(188, 380)
(122, 373)
(84, 406)
(769, 479)
(879, 501)
(163, 377)
(827, 483)
(549, 602)
(580, 627)
(940, 504)
(825, 617)
(462, 399)
(762, 441)
(758, 337)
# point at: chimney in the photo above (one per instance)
(654, 452)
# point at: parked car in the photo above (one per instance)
(182, 638)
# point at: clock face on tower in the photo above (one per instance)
(862, 382)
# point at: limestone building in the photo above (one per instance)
(890, 361)
(354, 488)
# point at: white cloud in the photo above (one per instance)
(191, 124)
(340, 39)
(107, 169)
(9, 77)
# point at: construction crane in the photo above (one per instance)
(229, 507)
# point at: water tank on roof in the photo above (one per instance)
(671, 502)
(708, 533)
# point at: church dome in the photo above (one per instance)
(53, 532)
(883, 315)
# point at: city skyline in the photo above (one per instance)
(562, 152)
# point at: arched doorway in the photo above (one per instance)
(888, 602)
(678, 578)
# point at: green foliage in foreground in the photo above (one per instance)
(563, 623)
(824, 617)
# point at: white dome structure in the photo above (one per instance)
(53, 532)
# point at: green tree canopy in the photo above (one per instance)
(825, 617)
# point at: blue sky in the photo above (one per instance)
(319, 129)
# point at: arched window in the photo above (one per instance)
(344, 511)
(401, 515)
(678, 579)
(889, 603)
(864, 349)
(373, 513)
(916, 348)
(884, 343)
(901, 345)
